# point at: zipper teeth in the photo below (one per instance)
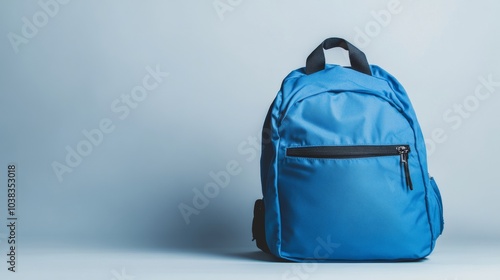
(341, 152)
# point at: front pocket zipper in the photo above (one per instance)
(346, 152)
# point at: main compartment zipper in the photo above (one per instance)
(345, 152)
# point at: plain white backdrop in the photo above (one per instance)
(179, 89)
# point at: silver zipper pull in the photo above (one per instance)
(403, 153)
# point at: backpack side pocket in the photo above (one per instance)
(436, 209)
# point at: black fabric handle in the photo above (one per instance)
(316, 60)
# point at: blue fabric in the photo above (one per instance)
(346, 209)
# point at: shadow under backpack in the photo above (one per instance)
(344, 168)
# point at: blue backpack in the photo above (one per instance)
(344, 168)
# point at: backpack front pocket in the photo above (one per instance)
(357, 197)
(346, 152)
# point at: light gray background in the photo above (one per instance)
(223, 74)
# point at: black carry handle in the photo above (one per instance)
(316, 60)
